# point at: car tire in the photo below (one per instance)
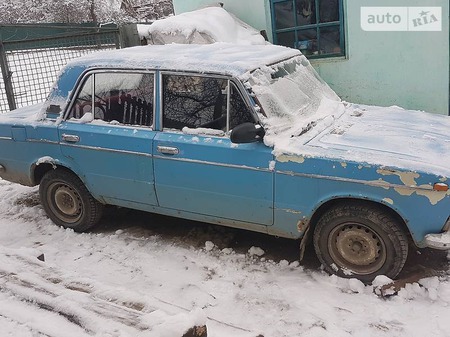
(67, 201)
(360, 240)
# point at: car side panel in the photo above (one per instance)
(116, 161)
(21, 147)
(212, 176)
(302, 185)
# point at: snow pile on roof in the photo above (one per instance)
(222, 58)
(203, 26)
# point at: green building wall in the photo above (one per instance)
(408, 69)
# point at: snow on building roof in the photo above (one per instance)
(203, 26)
(221, 58)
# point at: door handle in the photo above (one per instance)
(167, 150)
(70, 138)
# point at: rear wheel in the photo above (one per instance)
(360, 240)
(67, 201)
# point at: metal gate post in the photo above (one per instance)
(7, 77)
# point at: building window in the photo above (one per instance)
(315, 27)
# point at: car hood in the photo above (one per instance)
(383, 136)
(391, 136)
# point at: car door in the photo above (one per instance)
(197, 168)
(107, 136)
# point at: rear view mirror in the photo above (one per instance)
(246, 133)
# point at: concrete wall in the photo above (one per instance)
(408, 69)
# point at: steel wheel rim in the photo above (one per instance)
(357, 248)
(65, 202)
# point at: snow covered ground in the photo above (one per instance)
(147, 275)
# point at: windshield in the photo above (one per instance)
(291, 89)
(296, 103)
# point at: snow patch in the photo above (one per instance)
(203, 131)
(209, 246)
(356, 285)
(272, 164)
(47, 160)
(256, 251)
(381, 280)
(203, 26)
(227, 251)
(86, 118)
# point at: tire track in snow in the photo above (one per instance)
(34, 285)
(35, 292)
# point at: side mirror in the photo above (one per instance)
(54, 109)
(246, 133)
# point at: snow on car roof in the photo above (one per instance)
(223, 58)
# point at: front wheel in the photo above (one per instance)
(360, 240)
(67, 201)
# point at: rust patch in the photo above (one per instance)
(303, 225)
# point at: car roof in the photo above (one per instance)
(221, 58)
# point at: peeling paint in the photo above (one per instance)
(443, 179)
(423, 190)
(344, 165)
(379, 183)
(407, 178)
(287, 210)
(433, 196)
(360, 167)
(389, 201)
(286, 158)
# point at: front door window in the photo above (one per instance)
(202, 102)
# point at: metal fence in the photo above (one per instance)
(30, 67)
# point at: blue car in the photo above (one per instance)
(240, 136)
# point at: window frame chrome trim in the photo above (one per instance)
(92, 71)
(239, 86)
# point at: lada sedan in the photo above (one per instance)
(240, 136)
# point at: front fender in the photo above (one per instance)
(300, 196)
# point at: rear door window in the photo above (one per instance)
(117, 98)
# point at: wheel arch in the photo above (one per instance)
(333, 202)
(39, 170)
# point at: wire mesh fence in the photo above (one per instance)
(3, 99)
(32, 66)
